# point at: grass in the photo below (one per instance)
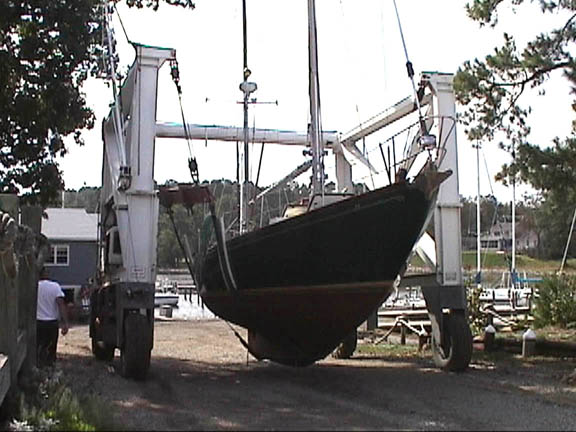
(494, 260)
(389, 350)
(47, 402)
(550, 333)
(500, 261)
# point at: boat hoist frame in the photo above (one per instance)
(123, 303)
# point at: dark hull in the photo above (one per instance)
(305, 283)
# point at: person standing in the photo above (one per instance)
(51, 313)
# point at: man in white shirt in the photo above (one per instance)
(50, 312)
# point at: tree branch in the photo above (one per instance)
(533, 76)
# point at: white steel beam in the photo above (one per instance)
(385, 118)
(447, 214)
(236, 134)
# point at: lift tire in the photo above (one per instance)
(136, 350)
(456, 353)
(346, 347)
(102, 351)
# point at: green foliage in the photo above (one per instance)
(86, 198)
(490, 211)
(491, 92)
(552, 171)
(476, 318)
(555, 304)
(154, 4)
(46, 52)
(48, 48)
(48, 403)
(490, 89)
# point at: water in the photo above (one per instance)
(189, 310)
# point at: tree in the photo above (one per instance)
(48, 48)
(491, 92)
(491, 88)
(87, 197)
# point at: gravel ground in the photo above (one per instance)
(201, 378)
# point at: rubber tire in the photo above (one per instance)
(102, 351)
(458, 339)
(346, 347)
(136, 352)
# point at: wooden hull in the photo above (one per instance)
(297, 326)
(305, 283)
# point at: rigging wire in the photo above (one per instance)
(410, 70)
(111, 71)
(567, 244)
(192, 163)
(122, 24)
(495, 214)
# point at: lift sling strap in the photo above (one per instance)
(188, 195)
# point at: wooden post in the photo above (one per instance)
(18, 291)
(8, 305)
(28, 280)
(11, 325)
(4, 341)
(372, 322)
(31, 216)
(4, 280)
(28, 287)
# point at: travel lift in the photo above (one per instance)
(122, 312)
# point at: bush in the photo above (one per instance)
(49, 404)
(475, 317)
(555, 304)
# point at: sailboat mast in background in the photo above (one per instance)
(478, 227)
(315, 118)
(513, 264)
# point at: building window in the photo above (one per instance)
(59, 255)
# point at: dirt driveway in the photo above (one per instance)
(202, 379)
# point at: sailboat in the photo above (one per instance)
(302, 284)
(513, 291)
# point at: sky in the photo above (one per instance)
(361, 67)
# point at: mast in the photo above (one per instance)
(513, 265)
(478, 227)
(314, 94)
(247, 88)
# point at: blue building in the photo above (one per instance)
(72, 234)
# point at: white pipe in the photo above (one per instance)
(234, 134)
